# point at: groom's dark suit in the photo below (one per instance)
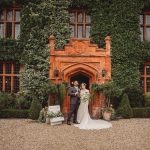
(74, 103)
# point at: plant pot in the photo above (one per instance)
(107, 115)
(47, 120)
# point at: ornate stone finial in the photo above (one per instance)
(108, 43)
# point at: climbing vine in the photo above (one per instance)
(42, 18)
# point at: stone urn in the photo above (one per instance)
(107, 115)
(47, 120)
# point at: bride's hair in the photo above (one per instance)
(83, 84)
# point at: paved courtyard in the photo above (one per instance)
(24, 134)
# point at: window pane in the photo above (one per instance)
(9, 30)
(16, 84)
(87, 31)
(16, 68)
(72, 17)
(72, 31)
(1, 16)
(9, 15)
(148, 34)
(147, 19)
(80, 31)
(8, 84)
(17, 17)
(1, 68)
(17, 30)
(1, 83)
(141, 35)
(80, 18)
(148, 69)
(2, 30)
(88, 19)
(8, 68)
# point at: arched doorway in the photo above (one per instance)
(81, 78)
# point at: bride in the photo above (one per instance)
(83, 117)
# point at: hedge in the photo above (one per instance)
(143, 112)
(14, 113)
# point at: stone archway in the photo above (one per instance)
(81, 78)
(78, 60)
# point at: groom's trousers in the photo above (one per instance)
(73, 110)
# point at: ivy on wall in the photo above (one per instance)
(9, 50)
(39, 21)
(42, 18)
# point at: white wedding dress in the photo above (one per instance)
(83, 117)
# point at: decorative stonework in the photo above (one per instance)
(79, 56)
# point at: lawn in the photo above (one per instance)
(25, 134)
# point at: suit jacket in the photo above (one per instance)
(74, 99)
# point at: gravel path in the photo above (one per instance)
(23, 134)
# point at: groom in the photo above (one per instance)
(74, 93)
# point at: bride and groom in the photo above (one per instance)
(79, 101)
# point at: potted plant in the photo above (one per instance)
(110, 90)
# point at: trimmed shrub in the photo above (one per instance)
(35, 109)
(143, 112)
(14, 113)
(22, 102)
(135, 95)
(2, 103)
(7, 100)
(125, 109)
(147, 99)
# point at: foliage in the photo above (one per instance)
(53, 115)
(142, 112)
(124, 29)
(14, 113)
(52, 88)
(35, 108)
(62, 93)
(96, 87)
(136, 96)
(48, 17)
(22, 102)
(125, 109)
(147, 99)
(7, 100)
(9, 50)
(42, 18)
(110, 90)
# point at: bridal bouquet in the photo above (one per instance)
(85, 97)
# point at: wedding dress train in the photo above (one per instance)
(85, 120)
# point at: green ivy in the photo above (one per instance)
(42, 18)
(38, 22)
(9, 50)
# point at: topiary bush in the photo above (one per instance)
(125, 109)
(14, 113)
(35, 108)
(7, 100)
(22, 102)
(135, 95)
(147, 99)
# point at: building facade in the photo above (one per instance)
(81, 58)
